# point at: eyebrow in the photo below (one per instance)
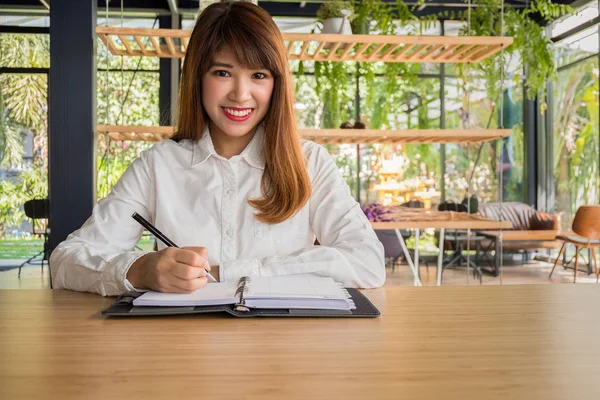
(220, 64)
(225, 65)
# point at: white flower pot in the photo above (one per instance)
(337, 26)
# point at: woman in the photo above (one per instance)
(235, 179)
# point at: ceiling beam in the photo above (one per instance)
(289, 8)
(173, 7)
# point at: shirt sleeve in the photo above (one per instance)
(96, 257)
(350, 252)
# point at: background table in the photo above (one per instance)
(415, 218)
(465, 342)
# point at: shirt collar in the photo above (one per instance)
(203, 148)
(253, 153)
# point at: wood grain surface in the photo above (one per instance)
(461, 342)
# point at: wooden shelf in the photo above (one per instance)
(172, 43)
(417, 136)
(166, 43)
(331, 136)
(438, 49)
(136, 133)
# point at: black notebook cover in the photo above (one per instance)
(124, 307)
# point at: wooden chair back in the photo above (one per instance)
(587, 222)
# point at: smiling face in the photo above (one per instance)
(235, 98)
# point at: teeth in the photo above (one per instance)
(238, 113)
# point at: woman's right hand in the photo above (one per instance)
(172, 270)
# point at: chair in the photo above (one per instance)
(38, 209)
(391, 245)
(459, 238)
(586, 225)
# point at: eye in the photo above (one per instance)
(221, 73)
(260, 75)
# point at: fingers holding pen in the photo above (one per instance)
(188, 272)
(178, 285)
(193, 256)
(173, 270)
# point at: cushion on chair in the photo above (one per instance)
(578, 239)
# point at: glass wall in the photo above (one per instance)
(575, 126)
(24, 59)
(479, 168)
(576, 130)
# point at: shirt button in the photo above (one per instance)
(229, 232)
(229, 192)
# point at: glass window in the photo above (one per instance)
(581, 16)
(20, 50)
(39, 21)
(394, 174)
(577, 47)
(581, 44)
(23, 157)
(485, 165)
(576, 138)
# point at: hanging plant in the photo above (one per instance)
(531, 48)
(334, 84)
(334, 79)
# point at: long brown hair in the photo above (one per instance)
(253, 37)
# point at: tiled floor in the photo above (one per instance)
(535, 272)
(31, 278)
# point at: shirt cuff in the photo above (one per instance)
(131, 288)
(121, 264)
(234, 270)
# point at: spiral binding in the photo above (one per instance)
(241, 289)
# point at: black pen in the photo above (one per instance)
(159, 235)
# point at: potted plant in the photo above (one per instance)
(335, 16)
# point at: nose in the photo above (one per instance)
(240, 92)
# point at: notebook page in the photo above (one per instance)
(318, 304)
(212, 294)
(294, 286)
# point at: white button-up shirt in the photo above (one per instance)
(198, 198)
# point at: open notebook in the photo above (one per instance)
(289, 292)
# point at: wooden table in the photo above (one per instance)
(452, 342)
(414, 218)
